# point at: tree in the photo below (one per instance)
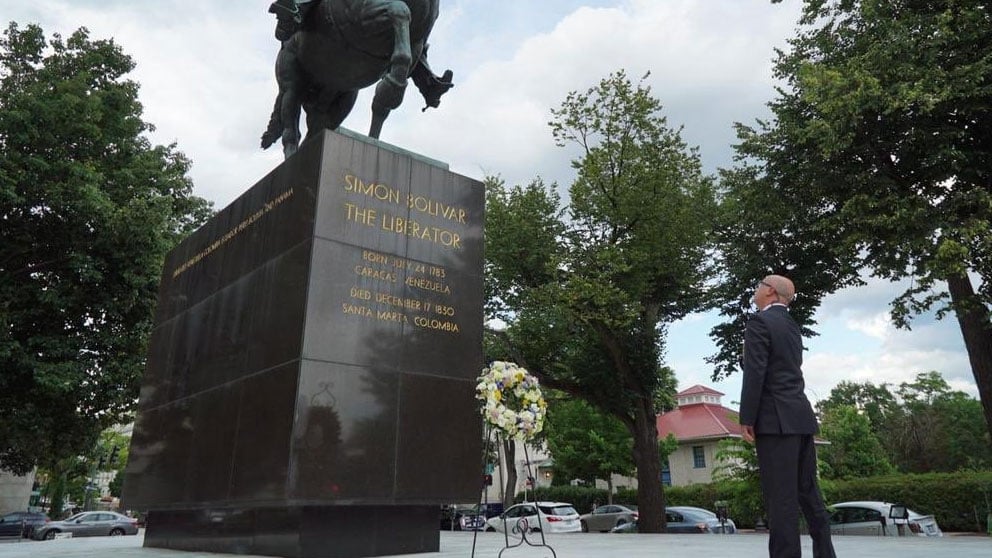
(88, 209)
(737, 460)
(880, 146)
(587, 444)
(937, 429)
(923, 427)
(876, 403)
(587, 289)
(854, 450)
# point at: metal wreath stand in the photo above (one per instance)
(522, 525)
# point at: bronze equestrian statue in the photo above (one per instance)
(331, 49)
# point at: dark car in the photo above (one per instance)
(89, 524)
(461, 518)
(21, 524)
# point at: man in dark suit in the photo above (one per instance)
(778, 419)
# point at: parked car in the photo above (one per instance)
(489, 509)
(89, 524)
(880, 518)
(461, 518)
(555, 517)
(21, 524)
(607, 517)
(687, 519)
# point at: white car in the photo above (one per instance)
(555, 517)
(880, 518)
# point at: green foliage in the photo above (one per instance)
(936, 429)
(89, 209)
(117, 484)
(587, 289)
(924, 427)
(744, 503)
(737, 460)
(854, 450)
(667, 446)
(876, 403)
(587, 444)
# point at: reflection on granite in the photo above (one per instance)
(309, 390)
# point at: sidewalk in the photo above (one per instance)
(577, 545)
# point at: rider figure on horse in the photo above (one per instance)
(289, 18)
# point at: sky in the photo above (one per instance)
(206, 73)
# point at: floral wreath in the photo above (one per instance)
(512, 400)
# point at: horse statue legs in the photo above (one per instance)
(390, 89)
(341, 47)
(284, 122)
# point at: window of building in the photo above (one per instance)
(666, 474)
(698, 457)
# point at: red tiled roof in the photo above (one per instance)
(701, 420)
(696, 389)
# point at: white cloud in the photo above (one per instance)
(878, 326)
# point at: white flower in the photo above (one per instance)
(512, 400)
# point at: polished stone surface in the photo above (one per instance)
(325, 531)
(316, 348)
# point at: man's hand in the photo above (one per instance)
(748, 432)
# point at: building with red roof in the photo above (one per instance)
(698, 423)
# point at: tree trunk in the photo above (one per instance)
(973, 317)
(650, 493)
(56, 491)
(510, 466)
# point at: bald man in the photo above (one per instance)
(778, 419)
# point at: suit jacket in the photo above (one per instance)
(773, 397)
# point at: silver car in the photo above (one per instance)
(89, 524)
(880, 518)
(607, 517)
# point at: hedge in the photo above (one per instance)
(959, 501)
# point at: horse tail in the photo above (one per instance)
(274, 130)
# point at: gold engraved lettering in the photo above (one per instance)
(356, 310)
(431, 323)
(435, 208)
(444, 310)
(390, 316)
(244, 224)
(388, 299)
(376, 274)
(427, 285)
(437, 272)
(413, 229)
(375, 257)
(380, 192)
(360, 214)
(360, 294)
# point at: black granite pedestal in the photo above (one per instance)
(310, 378)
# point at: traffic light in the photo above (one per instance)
(113, 455)
(487, 480)
(99, 464)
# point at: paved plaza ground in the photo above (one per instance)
(578, 545)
